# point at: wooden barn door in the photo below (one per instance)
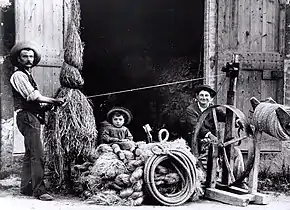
(254, 29)
(41, 21)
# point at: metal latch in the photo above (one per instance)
(269, 75)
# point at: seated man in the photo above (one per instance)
(208, 133)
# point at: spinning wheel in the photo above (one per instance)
(218, 149)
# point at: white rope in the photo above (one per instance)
(152, 86)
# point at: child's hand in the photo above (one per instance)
(125, 140)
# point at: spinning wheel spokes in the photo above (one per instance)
(221, 145)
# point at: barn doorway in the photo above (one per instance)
(137, 43)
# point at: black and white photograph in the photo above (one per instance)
(120, 104)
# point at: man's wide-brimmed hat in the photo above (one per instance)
(126, 112)
(207, 88)
(14, 53)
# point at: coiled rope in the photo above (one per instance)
(184, 164)
(265, 119)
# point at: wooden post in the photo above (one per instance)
(253, 178)
(232, 73)
(212, 159)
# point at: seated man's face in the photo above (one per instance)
(26, 58)
(204, 98)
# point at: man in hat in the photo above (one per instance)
(204, 95)
(28, 105)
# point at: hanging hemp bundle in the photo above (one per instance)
(70, 77)
(74, 47)
(75, 12)
(71, 131)
(265, 119)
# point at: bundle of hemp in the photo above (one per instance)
(119, 169)
(70, 77)
(113, 170)
(74, 47)
(75, 12)
(71, 131)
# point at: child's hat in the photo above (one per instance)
(127, 112)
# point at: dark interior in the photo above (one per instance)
(126, 40)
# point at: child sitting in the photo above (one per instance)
(113, 130)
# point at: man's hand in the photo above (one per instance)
(58, 101)
(213, 138)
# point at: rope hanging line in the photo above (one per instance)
(153, 86)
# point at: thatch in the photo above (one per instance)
(70, 77)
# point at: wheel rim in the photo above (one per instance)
(251, 141)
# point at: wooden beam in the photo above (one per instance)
(253, 179)
(228, 197)
(255, 198)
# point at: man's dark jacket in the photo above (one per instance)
(193, 113)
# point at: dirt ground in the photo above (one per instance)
(10, 199)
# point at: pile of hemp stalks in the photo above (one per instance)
(70, 132)
(115, 174)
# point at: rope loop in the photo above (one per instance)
(183, 163)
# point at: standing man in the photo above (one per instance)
(30, 114)
(208, 132)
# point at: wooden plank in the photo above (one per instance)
(282, 29)
(265, 34)
(19, 20)
(261, 199)
(228, 197)
(256, 198)
(276, 25)
(269, 25)
(210, 36)
(244, 25)
(256, 26)
(55, 79)
(233, 32)
(223, 48)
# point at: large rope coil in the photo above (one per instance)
(265, 119)
(184, 164)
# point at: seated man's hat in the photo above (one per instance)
(207, 88)
(14, 53)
